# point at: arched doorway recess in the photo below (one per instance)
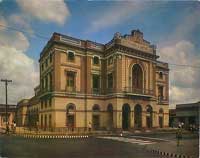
(126, 117)
(138, 116)
(110, 116)
(149, 116)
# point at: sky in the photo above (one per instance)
(26, 26)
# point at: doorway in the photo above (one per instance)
(126, 117)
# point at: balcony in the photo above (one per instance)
(71, 90)
(162, 100)
(96, 91)
(138, 92)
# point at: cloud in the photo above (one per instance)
(17, 66)
(45, 10)
(179, 48)
(21, 69)
(16, 40)
(184, 81)
(115, 15)
(187, 28)
(3, 22)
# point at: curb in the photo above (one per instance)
(53, 136)
(169, 154)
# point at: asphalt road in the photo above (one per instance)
(17, 147)
(130, 146)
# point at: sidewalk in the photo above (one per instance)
(187, 148)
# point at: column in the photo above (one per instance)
(155, 119)
(0, 121)
(119, 119)
(132, 119)
(143, 119)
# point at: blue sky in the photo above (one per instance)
(172, 25)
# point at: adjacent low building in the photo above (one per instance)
(185, 113)
(118, 85)
(10, 114)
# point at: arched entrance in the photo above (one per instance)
(161, 115)
(70, 116)
(96, 117)
(138, 116)
(137, 77)
(149, 116)
(110, 116)
(126, 117)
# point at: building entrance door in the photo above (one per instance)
(96, 122)
(138, 116)
(149, 122)
(161, 122)
(70, 121)
(125, 117)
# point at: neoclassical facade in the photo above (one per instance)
(118, 85)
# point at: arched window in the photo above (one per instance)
(149, 116)
(70, 116)
(110, 108)
(70, 107)
(96, 108)
(96, 60)
(126, 110)
(110, 60)
(161, 75)
(137, 77)
(161, 111)
(138, 116)
(70, 56)
(110, 116)
(149, 109)
(161, 118)
(96, 117)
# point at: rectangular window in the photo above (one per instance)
(96, 60)
(71, 85)
(110, 80)
(46, 83)
(70, 79)
(50, 121)
(50, 81)
(50, 102)
(160, 92)
(45, 103)
(41, 104)
(46, 62)
(50, 58)
(96, 83)
(110, 60)
(41, 120)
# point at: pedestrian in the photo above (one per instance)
(89, 126)
(14, 127)
(178, 136)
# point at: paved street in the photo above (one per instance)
(131, 146)
(92, 147)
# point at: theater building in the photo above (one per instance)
(118, 85)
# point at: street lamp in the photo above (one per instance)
(6, 85)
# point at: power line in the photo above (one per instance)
(191, 66)
(25, 32)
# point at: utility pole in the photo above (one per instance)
(6, 85)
